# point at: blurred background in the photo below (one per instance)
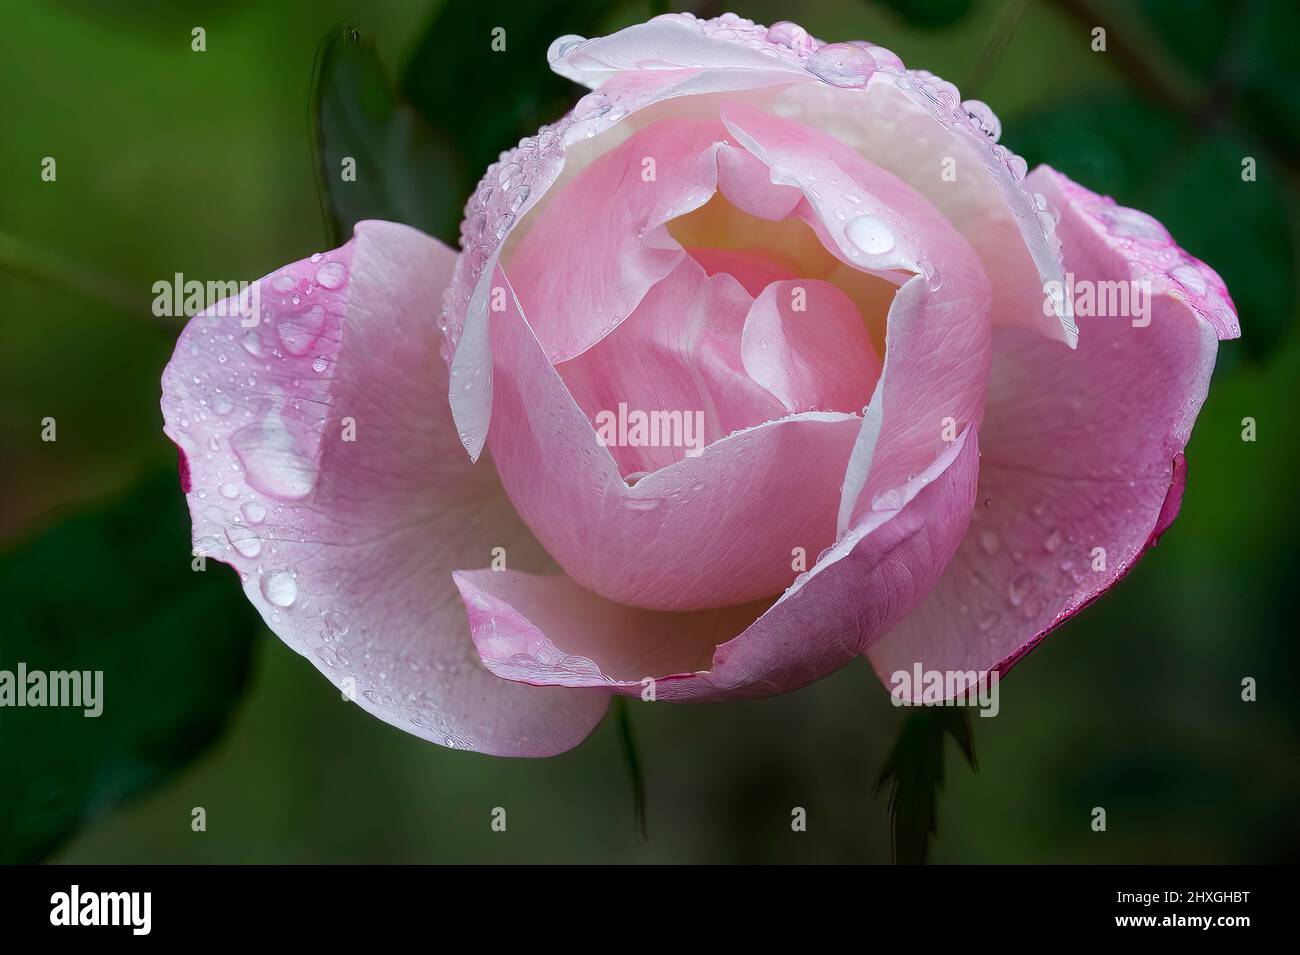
(171, 160)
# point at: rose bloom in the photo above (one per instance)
(745, 368)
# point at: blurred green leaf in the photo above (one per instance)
(1191, 180)
(928, 14)
(405, 171)
(914, 772)
(501, 95)
(1244, 52)
(112, 590)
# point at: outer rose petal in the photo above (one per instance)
(549, 631)
(346, 546)
(1081, 450)
(909, 122)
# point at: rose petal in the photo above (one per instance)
(549, 631)
(678, 353)
(325, 469)
(937, 343)
(1082, 451)
(733, 512)
(593, 251)
(909, 122)
(806, 343)
(753, 270)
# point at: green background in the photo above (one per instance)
(203, 163)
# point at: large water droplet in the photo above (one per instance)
(298, 331)
(245, 542)
(331, 275)
(207, 547)
(871, 234)
(253, 512)
(274, 458)
(279, 588)
(1189, 278)
(984, 118)
(841, 64)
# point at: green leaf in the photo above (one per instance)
(112, 590)
(405, 170)
(1244, 56)
(1190, 178)
(914, 772)
(504, 94)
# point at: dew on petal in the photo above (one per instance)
(279, 588)
(870, 234)
(331, 275)
(274, 458)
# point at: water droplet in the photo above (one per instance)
(989, 542)
(222, 404)
(870, 234)
(279, 588)
(252, 344)
(1022, 587)
(841, 64)
(331, 275)
(298, 331)
(253, 512)
(1053, 542)
(319, 365)
(229, 491)
(207, 546)
(984, 118)
(1134, 224)
(248, 545)
(336, 625)
(1189, 278)
(274, 458)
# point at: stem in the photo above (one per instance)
(633, 764)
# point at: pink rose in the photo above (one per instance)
(758, 340)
